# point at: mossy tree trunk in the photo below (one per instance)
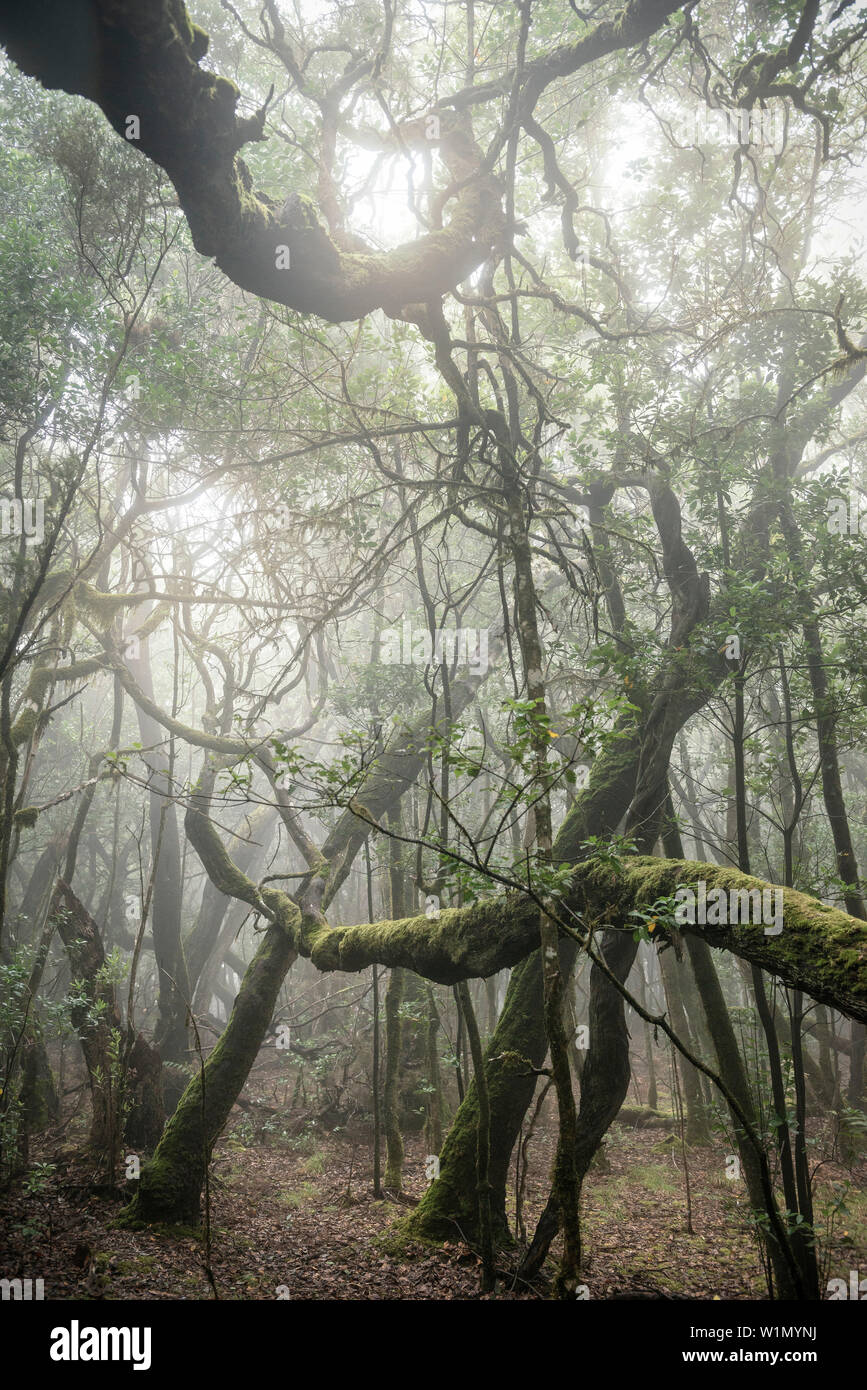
(565, 1182)
(483, 1140)
(445, 1210)
(170, 1187)
(604, 1080)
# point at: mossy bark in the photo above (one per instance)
(604, 1080)
(434, 1098)
(170, 1186)
(483, 1139)
(446, 1207)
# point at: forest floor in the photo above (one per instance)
(296, 1218)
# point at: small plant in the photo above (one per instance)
(609, 853)
(652, 921)
(38, 1178)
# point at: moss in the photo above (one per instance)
(297, 1197)
(25, 726)
(168, 1191)
(303, 214)
(142, 1264)
(820, 949)
(171, 1182)
(104, 608)
(199, 42)
(402, 1243)
(460, 943)
(26, 817)
(224, 92)
(40, 679)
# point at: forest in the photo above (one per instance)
(433, 663)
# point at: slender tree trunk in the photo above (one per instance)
(697, 1127)
(390, 1114)
(175, 996)
(483, 1141)
(434, 1123)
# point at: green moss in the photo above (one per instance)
(141, 1264)
(168, 1195)
(297, 1197)
(472, 941)
(26, 817)
(199, 42)
(402, 1243)
(224, 92)
(40, 679)
(304, 213)
(821, 949)
(103, 608)
(25, 726)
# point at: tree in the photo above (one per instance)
(625, 510)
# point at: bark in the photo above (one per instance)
(652, 1093)
(200, 943)
(174, 997)
(434, 1101)
(733, 1073)
(97, 1021)
(565, 1178)
(483, 1140)
(520, 1033)
(697, 1127)
(171, 1183)
(390, 1116)
(855, 1092)
(604, 1081)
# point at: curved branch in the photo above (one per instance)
(141, 61)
